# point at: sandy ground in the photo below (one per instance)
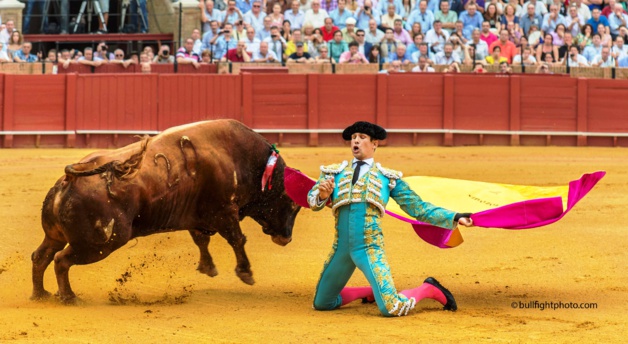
(149, 291)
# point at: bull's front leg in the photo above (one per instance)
(206, 263)
(42, 257)
(233, 234)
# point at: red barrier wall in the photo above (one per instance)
(106, 110)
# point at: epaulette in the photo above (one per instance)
(392, 174)
(334, 168)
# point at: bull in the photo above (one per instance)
(203, 177)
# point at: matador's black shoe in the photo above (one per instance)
(451, 302)
(368, 299)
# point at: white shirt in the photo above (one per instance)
(364, 168)
(317, 20)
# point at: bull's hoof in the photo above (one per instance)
(210, 271)
(246, 277)
(40, 295)
(69, 299)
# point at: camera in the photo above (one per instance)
(366, 8)
(273, 36)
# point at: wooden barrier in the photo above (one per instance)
(107, 110)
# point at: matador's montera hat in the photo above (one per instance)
(373, 130)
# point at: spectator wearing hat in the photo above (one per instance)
(300, 56)
(328, 29)
(341, 14)
(353, 55)
(349, 31)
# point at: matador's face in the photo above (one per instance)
(362, 146)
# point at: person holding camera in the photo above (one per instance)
(232, 14)
(575, 59)
(164, 55)
(102, 52)
(224, 42)
(365, 14)
(276, 43)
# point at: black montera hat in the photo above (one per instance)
(373, 130)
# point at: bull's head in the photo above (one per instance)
(277, 219)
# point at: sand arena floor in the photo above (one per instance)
(150, 292)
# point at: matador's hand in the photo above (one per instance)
(325, 189)
(465, 221)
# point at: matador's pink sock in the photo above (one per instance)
(431, 289)
(350, 294)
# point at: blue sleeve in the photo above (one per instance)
(426, 212)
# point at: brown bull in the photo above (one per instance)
(203, 177)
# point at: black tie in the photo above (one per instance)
(356, 172)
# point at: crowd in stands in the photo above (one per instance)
(477, 33)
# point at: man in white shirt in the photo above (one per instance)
(447, 56)
(604, 60)
(316, 15)
(436, 37)
(5, 34)
(263, 54)
(574, 21)
(423, 66)
(255, 17)
(574, 59)
(252, 42)
(481, 48)
(373, 34)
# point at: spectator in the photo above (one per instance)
(583, 9)
(458, 47)
(437, 37)
(134, 17)
(416, 30)
(15, 43)
(323, 56)
(504, 68)
(316, 15)
(102, 52)
(471, 19)
(470, 56)
(353, 55)
(328, 30)
(509, 16)
(164, 55)
(575, 59)
(276, 43)
(400, 54)
(337, 46)
(458, 30)
(526, 56)
(276, 15)
(547, 48)
(295, 15)
(186, 54)
(340, 15)
(447, 18)
(4, 57)
(224, 42)
(64, 59)
(508, 49)
(423, 52)
(365, 14)
(481, 47)
(251, 41)
(597, 19)
(493, 18)
(543, 68)
(619, 50)
(5, 34)
(422, 16)
(400, 34)
(265, 31)
(623, 62)
(453, 67)
(206, 57)
(486, 35)
(24, 54)
(446, 57)
(607, 40)
(135, 58)
(552, 19)
(591, 51)
(210, 36)
(264, 55)
(284, 4)
(89, 59)
(118, 58)
(414, 47)
(534, 36)
(232, 14)
(605, 59)
(349, 31)
(286, 31)
(375, 55)
(394, 67)
(574, 21)
(145, 57)
(300, 56)
(291, 46)
(423, 66)
(239, 54)
(364, 47)
(52, 55)
(329, 5)
(373, 34)
(308, 31)
(495, 58)
(383, 5)
(244, 5)
(315, 43)
(558, 35)
(478, 68)
(606, 11)
(617, 19)
(255, 17)
(388, 20)
(388, 44)
(530, 18)
(567, 43)
(585, 36)
(209, 14)
(539, 7)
